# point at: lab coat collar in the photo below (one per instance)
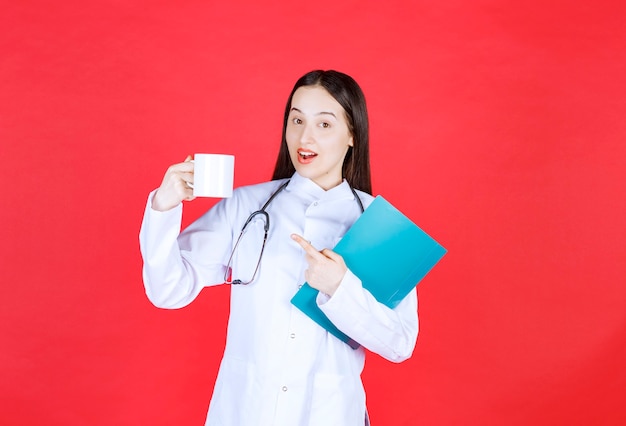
(301, 184)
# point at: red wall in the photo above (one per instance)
(498, 126)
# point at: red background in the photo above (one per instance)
(497, 126)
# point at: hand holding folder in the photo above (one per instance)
(387, 251)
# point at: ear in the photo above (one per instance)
(351, 141)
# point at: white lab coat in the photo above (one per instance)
(279, 367)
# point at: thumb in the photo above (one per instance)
(332, 255)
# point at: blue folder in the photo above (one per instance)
(387, 251)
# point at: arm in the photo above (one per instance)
(391, 333)
(176, 267)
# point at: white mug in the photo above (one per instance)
(213, 175)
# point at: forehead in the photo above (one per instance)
(314, 100)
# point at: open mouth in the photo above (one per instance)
(306, 156)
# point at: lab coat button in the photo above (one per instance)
(284, 388)
(315, 203)
(292, 335)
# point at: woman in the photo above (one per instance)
(279, 367)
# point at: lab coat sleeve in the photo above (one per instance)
(178, 265)
(391, 333)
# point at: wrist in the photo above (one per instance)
(159, 205)
(332, 288)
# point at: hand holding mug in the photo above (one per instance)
(206, 175)
(175, 186)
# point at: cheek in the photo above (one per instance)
(342, 144)
(291, 137)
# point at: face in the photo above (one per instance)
(318, 136)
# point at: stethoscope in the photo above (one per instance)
(262, 212)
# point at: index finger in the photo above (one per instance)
(306, 245)
(185, 166)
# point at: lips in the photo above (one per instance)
(305, 156)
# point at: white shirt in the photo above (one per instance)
(279, 367)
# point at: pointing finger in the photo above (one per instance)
(306, 245)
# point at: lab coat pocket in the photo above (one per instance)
(234, 393)
(337, 401)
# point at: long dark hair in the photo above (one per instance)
(346, 91)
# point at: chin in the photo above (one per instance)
(302, 170)
(305, 172)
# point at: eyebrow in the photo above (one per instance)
(319, 113)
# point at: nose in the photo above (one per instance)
(306, 134)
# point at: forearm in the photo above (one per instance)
(391, 333)
(167, 280)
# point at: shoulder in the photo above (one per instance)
(245, 199)
(365, 198)
(263, 188)
(252, 195)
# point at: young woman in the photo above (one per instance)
(279, 367)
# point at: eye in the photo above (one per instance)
(324, 125)
(296, 120)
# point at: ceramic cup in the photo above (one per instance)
(213, 175)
